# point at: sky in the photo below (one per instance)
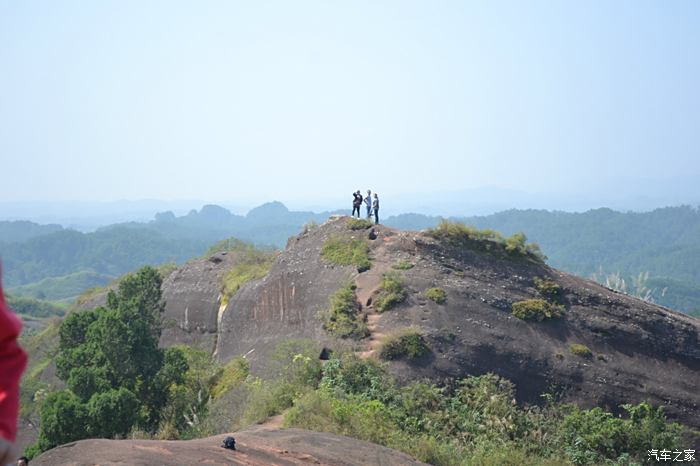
(307, 101)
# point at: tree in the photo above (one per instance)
(116, 376)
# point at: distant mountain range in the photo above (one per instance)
(52, 262)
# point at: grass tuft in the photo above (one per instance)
(391, 292)
(536, 309)
(359, 224)
(403, 343)
(403, 265)
(462, 236)
(437, 295)
(347, 251)
(581, 350)
(342, 319)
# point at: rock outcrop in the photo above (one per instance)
(255, 447)
(639, 351)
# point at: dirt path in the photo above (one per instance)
(274, 422)
(367, 285)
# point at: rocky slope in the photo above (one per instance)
(640, 351)
(255, 447)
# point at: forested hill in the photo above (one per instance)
(617, 246)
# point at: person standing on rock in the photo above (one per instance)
(368, 203)
(356, 203)
(375, 206)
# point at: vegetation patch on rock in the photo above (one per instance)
(406, 343)
(548, 289)
(359, 224)
(536, 309)
(437, 295)
(341, 250)
(463, 236)
(229, 376)
(403, 265)
(581, 350)
(252, 264)
(390, 293)
(342, 319)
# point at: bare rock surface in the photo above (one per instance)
(255, 447)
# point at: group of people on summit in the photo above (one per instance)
(371, 204)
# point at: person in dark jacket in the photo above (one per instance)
(356, 203)
(375, 207)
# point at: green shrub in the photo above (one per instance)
(595, 436)
(548, 289)
(476, 422)
(436, 294)
(230, 376)
(581, 350)
(35, 307)
(359, 224)
(252, 264)
(299, 372)
(390, 293)
(536, 309)
(347, 251)
(404, 343)
(403, 265)
(462, 236)
(342, 319)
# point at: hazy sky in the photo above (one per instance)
(307, 100)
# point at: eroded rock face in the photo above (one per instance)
(192, 296)
(286, 303)
(255, 447)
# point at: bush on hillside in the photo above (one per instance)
(341, 250)
(437, 295)
(581, 350)
(476, 422)
(34, 307)
(252, 264)
(549, 289)
(342, 319)
(403, 343)
(536, 309)
(359, 224)
(462, 236)
(390, 293)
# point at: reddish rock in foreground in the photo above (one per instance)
(256, 447)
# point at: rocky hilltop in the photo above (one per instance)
(605, 349)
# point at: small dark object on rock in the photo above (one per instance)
(325, 354)
(229, 443)
(372, 234)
